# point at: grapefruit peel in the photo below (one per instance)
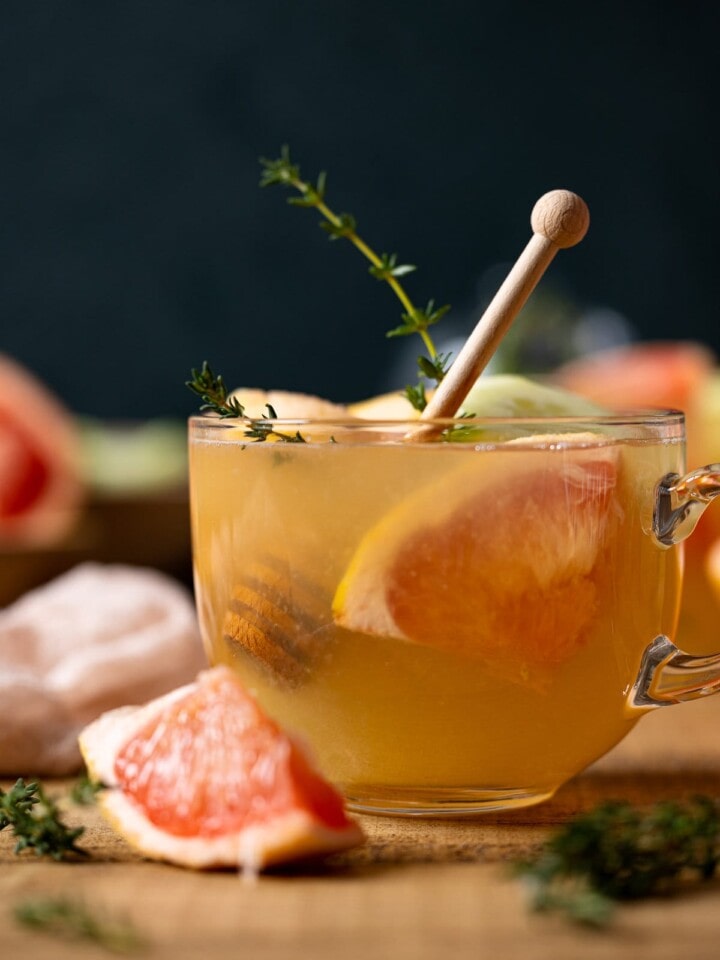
(202, 778)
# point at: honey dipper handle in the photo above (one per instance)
(559, 219)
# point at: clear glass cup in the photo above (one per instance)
(458, 617)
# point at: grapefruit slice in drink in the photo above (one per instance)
(203, 778)
(497, 560)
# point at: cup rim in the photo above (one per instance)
(631, 416)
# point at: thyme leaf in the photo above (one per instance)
(435, 368)
(389, 267)
(415, 394)
(35, 821)
(84, 791)
(418, 321)
(213, 393)
(342, 227)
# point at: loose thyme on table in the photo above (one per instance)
(74, 920)
(618, 852)
(35, 820)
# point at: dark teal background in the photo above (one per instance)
(134, 241)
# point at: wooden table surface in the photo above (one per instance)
(416, 890)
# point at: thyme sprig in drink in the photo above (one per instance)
(385, 267)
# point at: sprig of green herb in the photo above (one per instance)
(84, 790)
(262, 429)
(620, 852)
(213, 393)
(215, 398)
(73, 920)
(384, 267)
(35, 821)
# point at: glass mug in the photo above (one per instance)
(456, 617)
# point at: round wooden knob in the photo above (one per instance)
(562, 217)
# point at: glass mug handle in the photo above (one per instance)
(668, 675)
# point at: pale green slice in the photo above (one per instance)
(510, 395)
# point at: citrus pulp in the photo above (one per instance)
(202, 777)
(499, 565)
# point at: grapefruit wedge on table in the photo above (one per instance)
(203, 778)
(496, 560)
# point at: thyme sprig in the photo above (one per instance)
(216, 398)
(213, 393)
(262, 429)
(35, 820)
(384, 266)
(72, 919)
(620, 852)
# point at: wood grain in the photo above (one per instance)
(417, 889)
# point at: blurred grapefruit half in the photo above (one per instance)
(679, 375)
(40, 474)
(654, 374)
(203, 778)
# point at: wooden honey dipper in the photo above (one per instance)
(275, 615)
(559, 219)
(277, 618)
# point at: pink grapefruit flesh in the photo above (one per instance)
(498, 564)
(202, 777)
(40, 475)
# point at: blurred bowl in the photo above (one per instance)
(151, 530)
